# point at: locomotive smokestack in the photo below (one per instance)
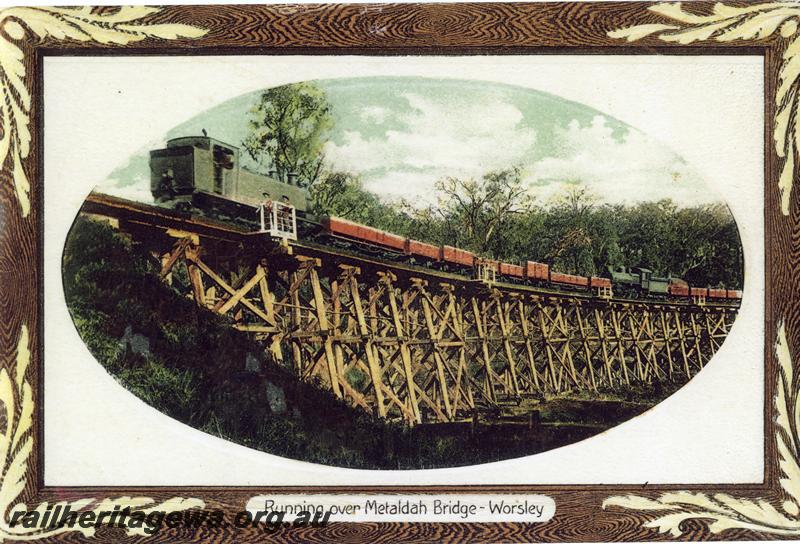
(293, 179)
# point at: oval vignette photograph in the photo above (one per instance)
(403, 272)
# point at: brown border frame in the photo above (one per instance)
(427, 29)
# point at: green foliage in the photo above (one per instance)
(477, 212)
(173, 391)
(342, 194)
(576, 233)
(288, 126)
(356, 378)
(568, 232)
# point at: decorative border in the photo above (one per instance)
(723, 510)
(16, 445)
(23, 29)
(727, 24)
(16, 441)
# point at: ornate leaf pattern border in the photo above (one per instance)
(118, 27)
(16, 445)
(724, 511)
(720, 510)
(81, 24)
(121, 27)
(755, 22)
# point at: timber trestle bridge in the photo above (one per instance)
(417, 344)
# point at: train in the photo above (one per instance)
(201, 175)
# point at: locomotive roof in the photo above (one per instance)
(205, 141)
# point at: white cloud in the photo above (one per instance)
(453, 137)
(414, 187)
(442, 137)
(138, 191)
(633, 169)
(374, 114)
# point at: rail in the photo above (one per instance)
(156, 217)
(412, 343)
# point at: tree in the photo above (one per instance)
(699, 243)
(708, 246)
(604, 226)
(648, 237)
(341, 194)
(477, 210)
(523, 237)
(288, 128)
(570, 231)
(335, 193)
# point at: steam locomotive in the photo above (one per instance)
(203, 176)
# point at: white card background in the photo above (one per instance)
(100, 110)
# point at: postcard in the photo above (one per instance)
(419, 272)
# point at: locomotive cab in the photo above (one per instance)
(644, 278)
(630, 282)
(193, 166)
(193, 163)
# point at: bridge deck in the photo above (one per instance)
(415, 343)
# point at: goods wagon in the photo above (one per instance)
(569, 279)
(537, 271)
(717, 293)
(676, 289)
(512, 270)
(734, 294)
(421, 249)
(698, 292)
(461, 257)
(348, 229)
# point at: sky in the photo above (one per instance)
(402, 134)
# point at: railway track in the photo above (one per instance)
(166, 219)
(415, 343)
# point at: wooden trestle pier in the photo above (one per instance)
(415, 344)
